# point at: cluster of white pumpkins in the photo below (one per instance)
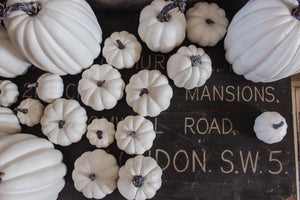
(64, 36)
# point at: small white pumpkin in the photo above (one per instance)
(122, 50)
(30, 168)
(9, 123)
(161, 28)
(49, 87)
(30, 112)
(262, 40)
(61, 36)
(206, 24)
(12, 62)
(270, 127)
(8, 93)
(148, 93)
(190, 67)
(101, 87)
(64, 121)
(95, 174)
(101, 133)
(135, 134)
(139, 178)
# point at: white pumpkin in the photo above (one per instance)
(139, 178)
(190, 67)
(64, 121)
(12, 62)
(262, 40)
(30, 112)
(122, 50)
(206, 24)
(160, 28)
(8, 93)
(49, 87)
(62, 36)
(148, 93)
(101, 133)
(9, 123)
(30, 168)
(270, 127)
(101, 87)
(95, 174)
(135, 134)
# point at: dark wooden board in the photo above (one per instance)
(205, 140)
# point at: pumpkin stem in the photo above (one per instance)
(1, 175)
(99, 134)
(131, 134)
(144, 91)
(100, 83)
(196, 60)
(277, 126)
(209, 21)
(30, 8)
(120, 44)
(296, 11)
(22, 110)
(61, 124)
(164, 15)
(33, 85)
(138, 181)
(92, 177)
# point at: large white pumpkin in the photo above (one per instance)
(63, 38)
(31, 169)
(12, 62)
(262, 41)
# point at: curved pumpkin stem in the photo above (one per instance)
(164, 15)
(31, 8)
(277, 126)
(296, 11)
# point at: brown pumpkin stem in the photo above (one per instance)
(209, 21)
(277, 126)
(120, 44)
(144, 91)
(30, 8)
(296, 11)
(99, 134)
(92, 177)
(100, 83)
(61, 124)
(164, 15)
(1, 175)
(33, 85)
(131, 134)
(22, 110)
(138, 181)
(196, 60)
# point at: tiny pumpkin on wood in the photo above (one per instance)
(148, 92)
(190, 67)
(9, 123)
(8, 93)
(122, 50)
(270, 127)
(206, 24)
(101, 87)
(162, 25)
(30, 111)
(139, 178)
(135, 134)
(64, 121)
(95, 174)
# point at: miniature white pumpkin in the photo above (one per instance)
(148, 93)
(262, 40)
(95, 174)
(101, 132)
(161, 28)
(190, 67)
(12, 62)
(9, 123)
(8, 93)
(101, 87)
(49, 87)
(64, 121)
(135, 134)
(206, 24)
(30, 112)
(61, 36)
(270, 127)
(122, 50)
(139, 178)
(30, 168)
